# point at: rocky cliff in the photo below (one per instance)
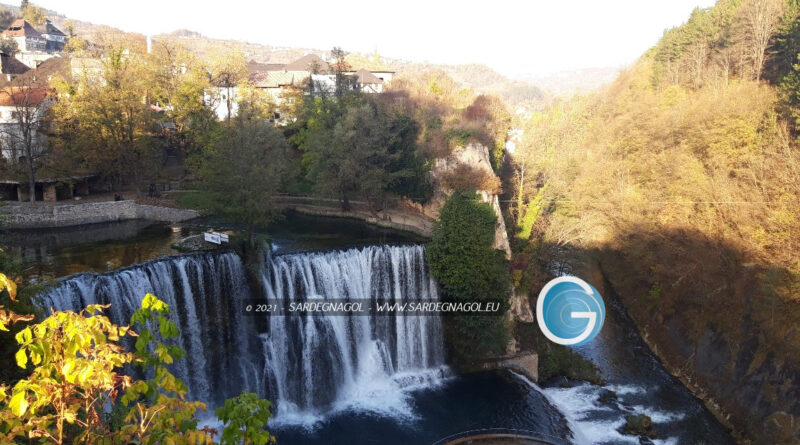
(703, 328)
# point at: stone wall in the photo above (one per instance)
(43, 215)
(390, 218)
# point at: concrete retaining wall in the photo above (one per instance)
(390, 219)
(42, 215)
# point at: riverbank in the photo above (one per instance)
(40, 215)
(389, 219)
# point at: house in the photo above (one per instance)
(55, 40)
(90, 68)
(310, 63)
(384, 75)
(29, 92)
(276, 80)
(223, 99)
(10, 68)
(368, 82)
(27, 37)
(273, 79)
(16, 102)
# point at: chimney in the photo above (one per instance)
(149, 44)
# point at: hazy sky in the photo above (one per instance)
(513, 37)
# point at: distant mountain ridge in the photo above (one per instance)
(573, 81)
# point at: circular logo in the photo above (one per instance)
(570, 311)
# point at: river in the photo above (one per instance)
(360, 380)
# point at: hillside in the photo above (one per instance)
(573, 81)
(479, 77)
(681, 181)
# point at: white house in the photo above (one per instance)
(26, 36)
(219, 98)
(27, 105)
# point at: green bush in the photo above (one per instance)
(468, 268)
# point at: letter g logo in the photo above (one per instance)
(570, 311)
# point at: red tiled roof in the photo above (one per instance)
(13, 96)
(21, 27)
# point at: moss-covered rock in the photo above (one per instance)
(639, 425)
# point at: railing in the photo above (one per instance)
(492, 435)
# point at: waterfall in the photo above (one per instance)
(201, 291)
(315, 361)
(303, 363)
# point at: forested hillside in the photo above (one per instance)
(682, 180)
(476, 76)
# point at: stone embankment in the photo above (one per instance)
(523, 363)
(44, 215)
(396, 219)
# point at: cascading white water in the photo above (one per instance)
(202, 291)
(305, 364)
(314, 362)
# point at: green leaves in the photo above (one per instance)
(467, 267)
(245, 418)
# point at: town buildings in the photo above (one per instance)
(277, 81)
(35, 44)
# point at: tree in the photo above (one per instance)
(6, 17)
(761, 19)
(177, 84)
(340, 67)
(368, 153)
(34, 15)
(245, 418)
(467, 267)
(105, 123)
(789, 91)
(25, 139)
(75, 358)
(786, 43)
(9, 46)
(156, 410)
(76, 379)
(243, 169)
(228, 71)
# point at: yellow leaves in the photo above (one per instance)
(24, 336)
(9, 286)
(18, 404)
(672, 96)
(22, 358)
(152, 302)
(70, 416)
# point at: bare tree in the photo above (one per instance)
(23, 136)
(760, 18)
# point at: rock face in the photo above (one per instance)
(728, 365)
(476, 157)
